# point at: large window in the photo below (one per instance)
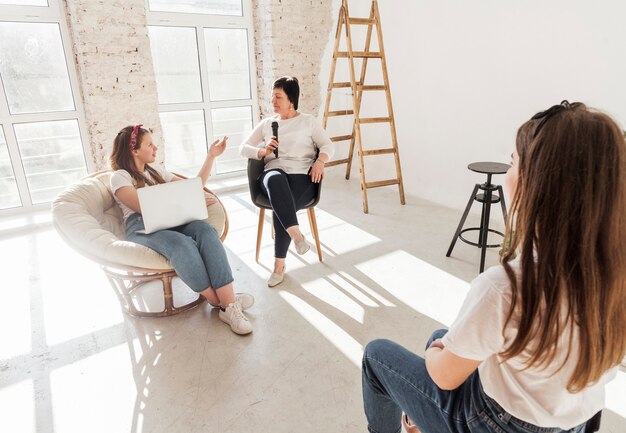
(202, 54)
(41, 150)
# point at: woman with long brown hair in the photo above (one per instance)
(194, 250)
(540, 335)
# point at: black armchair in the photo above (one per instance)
(259, 198)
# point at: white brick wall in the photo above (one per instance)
(290, 39)
(116, 75)
(114, 64)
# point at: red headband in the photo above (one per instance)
(133, 136)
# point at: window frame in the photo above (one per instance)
(54, 13)
(201, 21)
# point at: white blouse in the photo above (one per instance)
(299, 138)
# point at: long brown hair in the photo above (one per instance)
(568, 217)
(122, 157)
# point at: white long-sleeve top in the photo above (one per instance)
(299, 138)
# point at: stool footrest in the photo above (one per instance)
(477, 244)
(482, 199)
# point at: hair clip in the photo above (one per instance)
(133, 136)
(544, 116)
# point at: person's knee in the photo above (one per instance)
(375, 348)
(439, 333)
(273, 178)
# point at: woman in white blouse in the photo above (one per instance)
(294, 166)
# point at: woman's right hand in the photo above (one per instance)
(269, 148)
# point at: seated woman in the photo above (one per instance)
(294, 166)
(194, 249)
(539, 336)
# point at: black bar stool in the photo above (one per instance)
(487, 199)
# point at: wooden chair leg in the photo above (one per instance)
(313, 223)
(168, 295)
(259, 232)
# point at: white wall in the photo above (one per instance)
(466, 74)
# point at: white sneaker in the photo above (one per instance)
(233, 316)
(302, 246)
(246, 300)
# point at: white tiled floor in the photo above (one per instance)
(71, 361)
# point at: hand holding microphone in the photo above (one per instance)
(275, 133)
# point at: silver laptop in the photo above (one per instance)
(171, 204)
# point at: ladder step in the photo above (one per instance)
(341, 138)
(382, 183)
(374, 119)
(372, 87)
(362, 54)
(340, 85)
(359, 86)
(361, 20)
(340, 113)
(337, 162)
(378, 151)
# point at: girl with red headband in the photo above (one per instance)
(194, 249)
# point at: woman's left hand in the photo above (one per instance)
(209, 199)
(218, 147)
(317, 171)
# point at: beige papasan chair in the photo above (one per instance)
(89, 220)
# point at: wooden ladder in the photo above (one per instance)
(358, 87)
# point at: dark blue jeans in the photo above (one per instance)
(194, 250)
(395, 380)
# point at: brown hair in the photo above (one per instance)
(568, 216)
(122, 158)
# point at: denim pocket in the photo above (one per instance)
(490, 423)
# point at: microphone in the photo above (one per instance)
(275, 133)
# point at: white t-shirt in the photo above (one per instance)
(121, 178)
(537, 396)
(298, 141)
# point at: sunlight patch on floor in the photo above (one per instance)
(420, 285)
(77, 297)
(17, 407)
(341, 237)
(325, 291)
(78, 389)
(347, 345)
(360, 290)
(15, 322)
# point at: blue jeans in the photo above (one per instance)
(395, 381)
(194, 250)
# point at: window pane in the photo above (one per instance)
(175, 57)
(227, 59)
(9, 197)
(236, 123)
(213, 7)
(185, 141)
(52, 155)
(33, 69)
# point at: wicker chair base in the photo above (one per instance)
(126, 282)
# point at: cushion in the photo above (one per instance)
(89, 219)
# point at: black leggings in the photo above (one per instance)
(288, 193)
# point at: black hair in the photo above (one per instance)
(291, 88)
